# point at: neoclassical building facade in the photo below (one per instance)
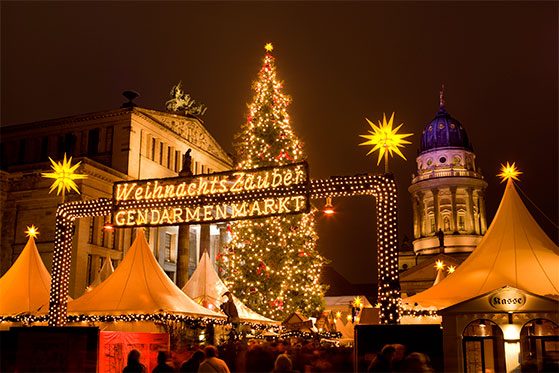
(448, 190)
(115, 145)
(448, 199)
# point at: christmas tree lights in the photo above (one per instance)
(272, 264)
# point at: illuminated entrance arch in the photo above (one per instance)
(231, 195)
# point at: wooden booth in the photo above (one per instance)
(507, 329)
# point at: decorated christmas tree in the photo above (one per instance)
(272, 264)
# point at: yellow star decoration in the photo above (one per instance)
(451, 269)
(269, 47)
(32, 231)
(439, 264)
(509, 172)
(338, 315)
(357, 303)
(64, 176)
(385, 139)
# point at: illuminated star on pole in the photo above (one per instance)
(32, 231)
(451, 269)
(64, 176)
(385, 139)
(439, 264)
(357, 303)
(509, 172)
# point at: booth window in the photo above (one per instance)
(539, 346)
(484, 347)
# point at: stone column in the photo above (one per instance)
(471, 213)
(454, 210)
(436, 208)
(183, 240)
(204, 238)
(416, 217)
(183, 254)
(481, 197)
(422, 214)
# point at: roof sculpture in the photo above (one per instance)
(206, 288)
(25, 287)
(138, 285)
(515, 251)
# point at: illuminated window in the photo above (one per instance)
(446, 223)
(484, 347)
(539, 343)
(461, 223)
(167, 248)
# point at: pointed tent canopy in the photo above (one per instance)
(106, 270)
(138, 285)
(206, 288)
(26, 285)
(515, 251)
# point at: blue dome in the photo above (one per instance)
(444, 131)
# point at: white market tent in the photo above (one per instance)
(515, 251)
(206, 288)
(106, 270)
(26, 285)
(140, 286)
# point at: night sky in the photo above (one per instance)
(340, 62)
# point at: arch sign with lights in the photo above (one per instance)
(225, 196)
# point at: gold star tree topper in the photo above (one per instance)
(509, 172)
(385, 139)
(64, 176)
(269, 47)
(32, 231)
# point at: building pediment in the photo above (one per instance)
(190, 129)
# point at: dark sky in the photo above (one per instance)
(340, 62)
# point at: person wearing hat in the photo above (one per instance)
(230, 310)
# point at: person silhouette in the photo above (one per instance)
(134, 365)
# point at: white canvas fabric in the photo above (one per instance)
(515, 251)
(138, 285)
(26, 285)
(206, 288)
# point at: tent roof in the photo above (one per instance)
(138, 285)
(205, 287)
(515, 251)
(26, 285)
(106, 270)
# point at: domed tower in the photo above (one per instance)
(447, 191)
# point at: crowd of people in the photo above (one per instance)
(279, 357)
(393, 358)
